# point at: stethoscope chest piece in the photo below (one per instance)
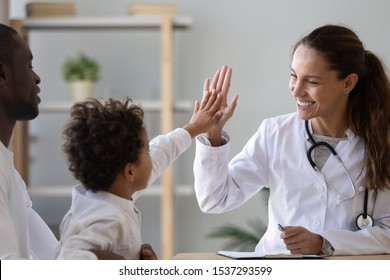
(362, 222)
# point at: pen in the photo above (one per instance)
(280, 227)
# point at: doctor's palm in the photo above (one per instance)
(220, 85)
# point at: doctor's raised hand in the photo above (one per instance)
(220, 85)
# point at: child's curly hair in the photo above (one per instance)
(101, 138)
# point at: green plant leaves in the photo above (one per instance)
(81, 68)
(238, 238)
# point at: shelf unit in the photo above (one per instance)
(165, 105)
(147, 105)
(66, 191)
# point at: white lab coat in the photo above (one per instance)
(275, 157)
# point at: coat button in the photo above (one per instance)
(316, 222)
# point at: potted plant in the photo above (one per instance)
(81, 73)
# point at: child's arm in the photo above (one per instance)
(165, 149)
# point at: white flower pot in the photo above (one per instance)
(81, 90)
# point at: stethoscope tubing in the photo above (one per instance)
(363, 220)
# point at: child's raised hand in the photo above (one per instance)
(206, 113)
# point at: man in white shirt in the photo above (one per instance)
(23, 233)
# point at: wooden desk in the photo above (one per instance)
(214, 256)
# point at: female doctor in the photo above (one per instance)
(327, 165)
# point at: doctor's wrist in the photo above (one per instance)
(215, 138)
(327, 248)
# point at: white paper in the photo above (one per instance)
(256, 255)
(241, 255)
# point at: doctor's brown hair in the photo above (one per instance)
(368, 109)
(101, 138)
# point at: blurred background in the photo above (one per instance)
(254, 37)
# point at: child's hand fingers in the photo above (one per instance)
(205, 99)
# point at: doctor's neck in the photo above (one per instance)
(336, 129)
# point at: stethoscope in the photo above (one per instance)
(363, 220)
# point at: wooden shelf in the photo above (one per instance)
(147, 105)
(77, 22)
(66, 191)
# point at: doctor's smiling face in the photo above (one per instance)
(319, 92)
(317, 89)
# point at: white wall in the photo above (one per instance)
(4, 11)
(252, 36)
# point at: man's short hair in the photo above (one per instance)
(7, 42)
